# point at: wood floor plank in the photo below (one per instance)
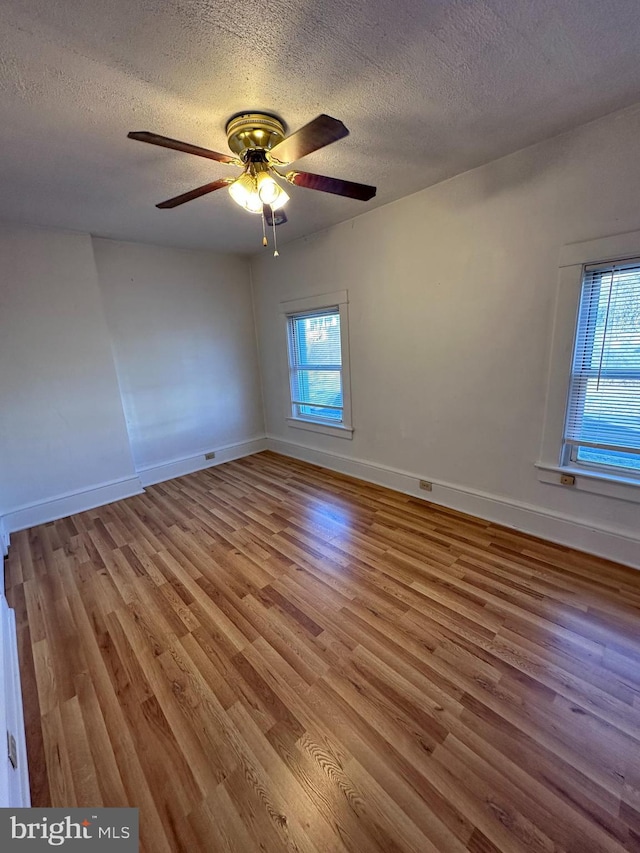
(269, 656)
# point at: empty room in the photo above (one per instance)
(320, 426)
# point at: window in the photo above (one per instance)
(592, 416)
(315, 366)
(603, 413)
(318, 364)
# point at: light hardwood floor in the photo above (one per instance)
(267, 656)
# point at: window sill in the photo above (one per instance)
(593, 482)
(339, 430)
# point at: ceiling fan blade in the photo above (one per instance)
(350, 189)
(207, 188)
(279, 217)
(321, 131)
(176, 145)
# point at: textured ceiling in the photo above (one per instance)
(428, 89)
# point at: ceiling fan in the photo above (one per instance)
(262, 149)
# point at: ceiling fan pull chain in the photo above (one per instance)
(264, 230)
(276, 253)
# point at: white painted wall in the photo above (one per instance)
(185, 349)
(62, 428)
(451, 302)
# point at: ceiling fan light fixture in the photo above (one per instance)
(244, 191)
(268, 189)
(255, 188)
(281, 199)
(253, 205)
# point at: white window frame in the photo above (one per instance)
(338, 300)
(555, 460)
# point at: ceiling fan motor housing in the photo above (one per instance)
(251, 131)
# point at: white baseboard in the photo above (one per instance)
(603, 541)
(14, 782)
(4, 538)
(4, 549)
(188, 464)
(61, 506)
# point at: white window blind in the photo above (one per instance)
(603, 413)
(315, 365)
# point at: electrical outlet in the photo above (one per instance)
(425, 485)
(210, 455)
(567, 480)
